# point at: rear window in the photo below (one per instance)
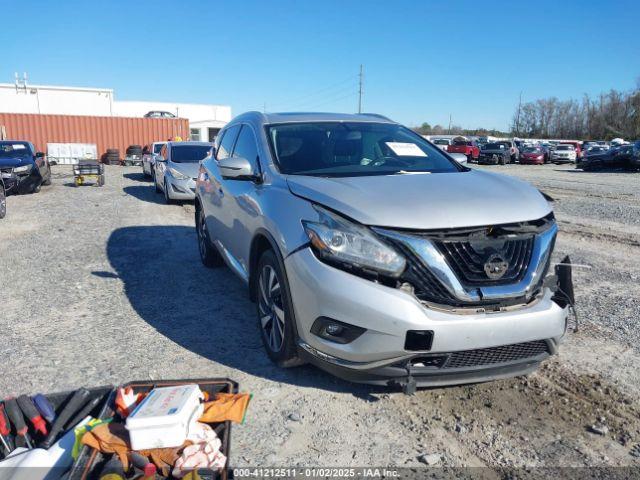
(189, 153)
(441, 142)
(564, 147)
(493, 146)
(157, 147)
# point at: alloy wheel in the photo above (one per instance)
(3, 203)
(202, 235)
(270, 305)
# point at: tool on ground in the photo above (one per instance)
(78, 399)
(44, 407)
(83, 412)
(5, 430)
(16, 418)
(113, 470)
(31, 412)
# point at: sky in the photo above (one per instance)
(424, 61)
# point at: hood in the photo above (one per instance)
(426, 201)
(190, 169)
(15, 162)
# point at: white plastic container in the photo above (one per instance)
(164, 417)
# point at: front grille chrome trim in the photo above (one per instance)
(428, 253)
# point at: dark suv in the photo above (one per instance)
(22, 168)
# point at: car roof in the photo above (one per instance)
(296, 117)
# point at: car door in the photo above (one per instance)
(242, 211)
(214, 202)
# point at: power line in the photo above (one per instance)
(350, 95)
(312, 96)
(307, 103)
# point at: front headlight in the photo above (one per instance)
(22, 169)
(336, 239)
(178, 175)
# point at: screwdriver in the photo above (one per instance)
(44, 407)
(5, 429)
(15, 415)
(30, 411)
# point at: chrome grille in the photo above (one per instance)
(467, 258)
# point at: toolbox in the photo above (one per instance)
(101, 401)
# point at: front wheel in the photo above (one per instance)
(155, 183)
(3, 202)
(275, 312)
(208, 254)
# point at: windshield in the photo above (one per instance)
(532, 150)
(564, 147)
(354, 149)
(189, 153)
(493, 146)
(14, 150)
(157, 147)
(441, 142)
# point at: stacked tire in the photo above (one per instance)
(131, 151)
(112, 156)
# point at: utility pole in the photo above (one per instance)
(361, 77)
(518, 116)
(449, 124)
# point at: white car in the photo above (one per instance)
(563, 153)
(148, 157)
(442, 143)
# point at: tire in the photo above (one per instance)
(47, 181)
(469, 158)
(155, 183)
(210, 257)
(3, 202)
(36, 188)
(501, 161)
(101, 180)
(167, 199)
(275, 312)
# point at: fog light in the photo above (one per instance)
(336, 331)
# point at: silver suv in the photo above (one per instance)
(374, 255)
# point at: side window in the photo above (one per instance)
(226, 145)
(163, 151)
(246, 146)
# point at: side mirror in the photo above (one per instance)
(237, 168)
(39, 154)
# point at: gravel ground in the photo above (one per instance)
(104, 285)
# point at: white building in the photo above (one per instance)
(205, 121)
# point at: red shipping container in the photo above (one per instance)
(105, 132)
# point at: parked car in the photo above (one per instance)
(159, 114)
(534, 156)
(176, 167)
(563, 153)
(466, 147)
(443, 143)
(373, 255)
(494, 154)
(149, 152)
(594, 150)
(513, 149)
(22, 168)
(618, 157)
(3, 199)
(576, 147)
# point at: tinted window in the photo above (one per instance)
(189, 153)
(493, 146)
(354, 149)
(226, 145)
(158, 147)
(246, 146)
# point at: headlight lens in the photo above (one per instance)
(22, 169)
(337, 239)
(178, 175)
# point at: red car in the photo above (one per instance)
(466, 147)
(533, 156)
